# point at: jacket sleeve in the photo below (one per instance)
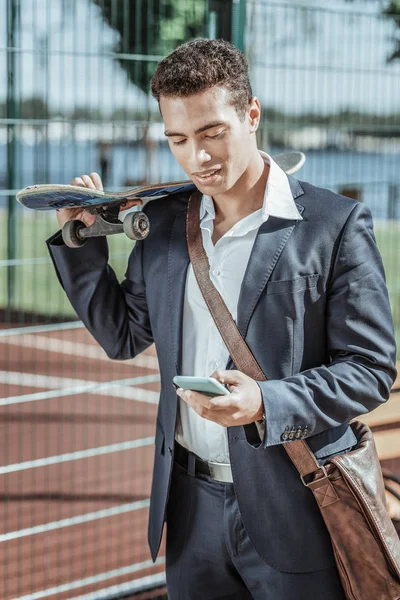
(115, 314)
(361, 345)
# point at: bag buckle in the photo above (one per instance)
(321, 468)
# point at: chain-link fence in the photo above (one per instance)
(77, 428)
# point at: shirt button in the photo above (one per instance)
(216, 272)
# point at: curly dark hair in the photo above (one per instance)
(198, 65)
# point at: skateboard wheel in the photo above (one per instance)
(136, 225)
(70, 234)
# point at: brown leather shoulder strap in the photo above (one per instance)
(298, 451)
(227, 327)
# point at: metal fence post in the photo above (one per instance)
(393, 201)
(12, 25)
(238, 23)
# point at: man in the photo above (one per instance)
(299, 270)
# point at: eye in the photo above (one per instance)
(215, 137)
(179, 143)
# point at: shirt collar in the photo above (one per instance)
(278, 198)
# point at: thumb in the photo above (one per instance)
(228, 376)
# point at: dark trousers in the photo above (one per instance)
(209, 554)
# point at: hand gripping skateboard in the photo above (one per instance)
(107, 205)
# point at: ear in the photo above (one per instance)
(254, 114)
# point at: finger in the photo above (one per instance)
(129, 203)
(186, 396)
(88, 182)
(78, 181)
(199, 403)
(223, 402)
(215, 375)
(219, 376)
(192, 397)
(88, 218)
(229, 376)
(97, 181)
(203, 404)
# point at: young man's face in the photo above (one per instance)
(207, 138)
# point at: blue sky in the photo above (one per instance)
(314, 61)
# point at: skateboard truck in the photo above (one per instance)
(136, 225)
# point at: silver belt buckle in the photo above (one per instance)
(221, 471)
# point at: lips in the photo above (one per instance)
(206, 174)
(207, 178)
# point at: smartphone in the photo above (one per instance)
(205, 385)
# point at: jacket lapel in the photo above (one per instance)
(178, 262)
(268, 246)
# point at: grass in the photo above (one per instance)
(37, 289)
(388, 240)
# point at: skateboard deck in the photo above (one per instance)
(107, 205)
(54, 196)
(57, 196)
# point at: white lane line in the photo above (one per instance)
(72, 585)
(87, 351)
(41, 328)
(55, 381)
(77, 455)
(129, 587)
(64, 386)
(92, 516)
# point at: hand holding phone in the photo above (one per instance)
(204, 385)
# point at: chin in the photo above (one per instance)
(212, 190)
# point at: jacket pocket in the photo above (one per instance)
(291, 286)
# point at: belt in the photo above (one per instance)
(218, 471)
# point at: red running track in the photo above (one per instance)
(50, 548)
(37, 563)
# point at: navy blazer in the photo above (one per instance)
(314, 310)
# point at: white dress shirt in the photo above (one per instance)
(203, 349)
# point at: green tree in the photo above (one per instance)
(152, 28)
(33, 108)
(393, 12)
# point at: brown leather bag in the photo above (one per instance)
(392, 492)
(349, 488)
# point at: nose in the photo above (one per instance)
(203, 155)
(200, 157)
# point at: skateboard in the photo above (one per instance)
(107, 205)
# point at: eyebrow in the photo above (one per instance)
(208, 126)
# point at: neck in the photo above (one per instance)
(246, 196)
